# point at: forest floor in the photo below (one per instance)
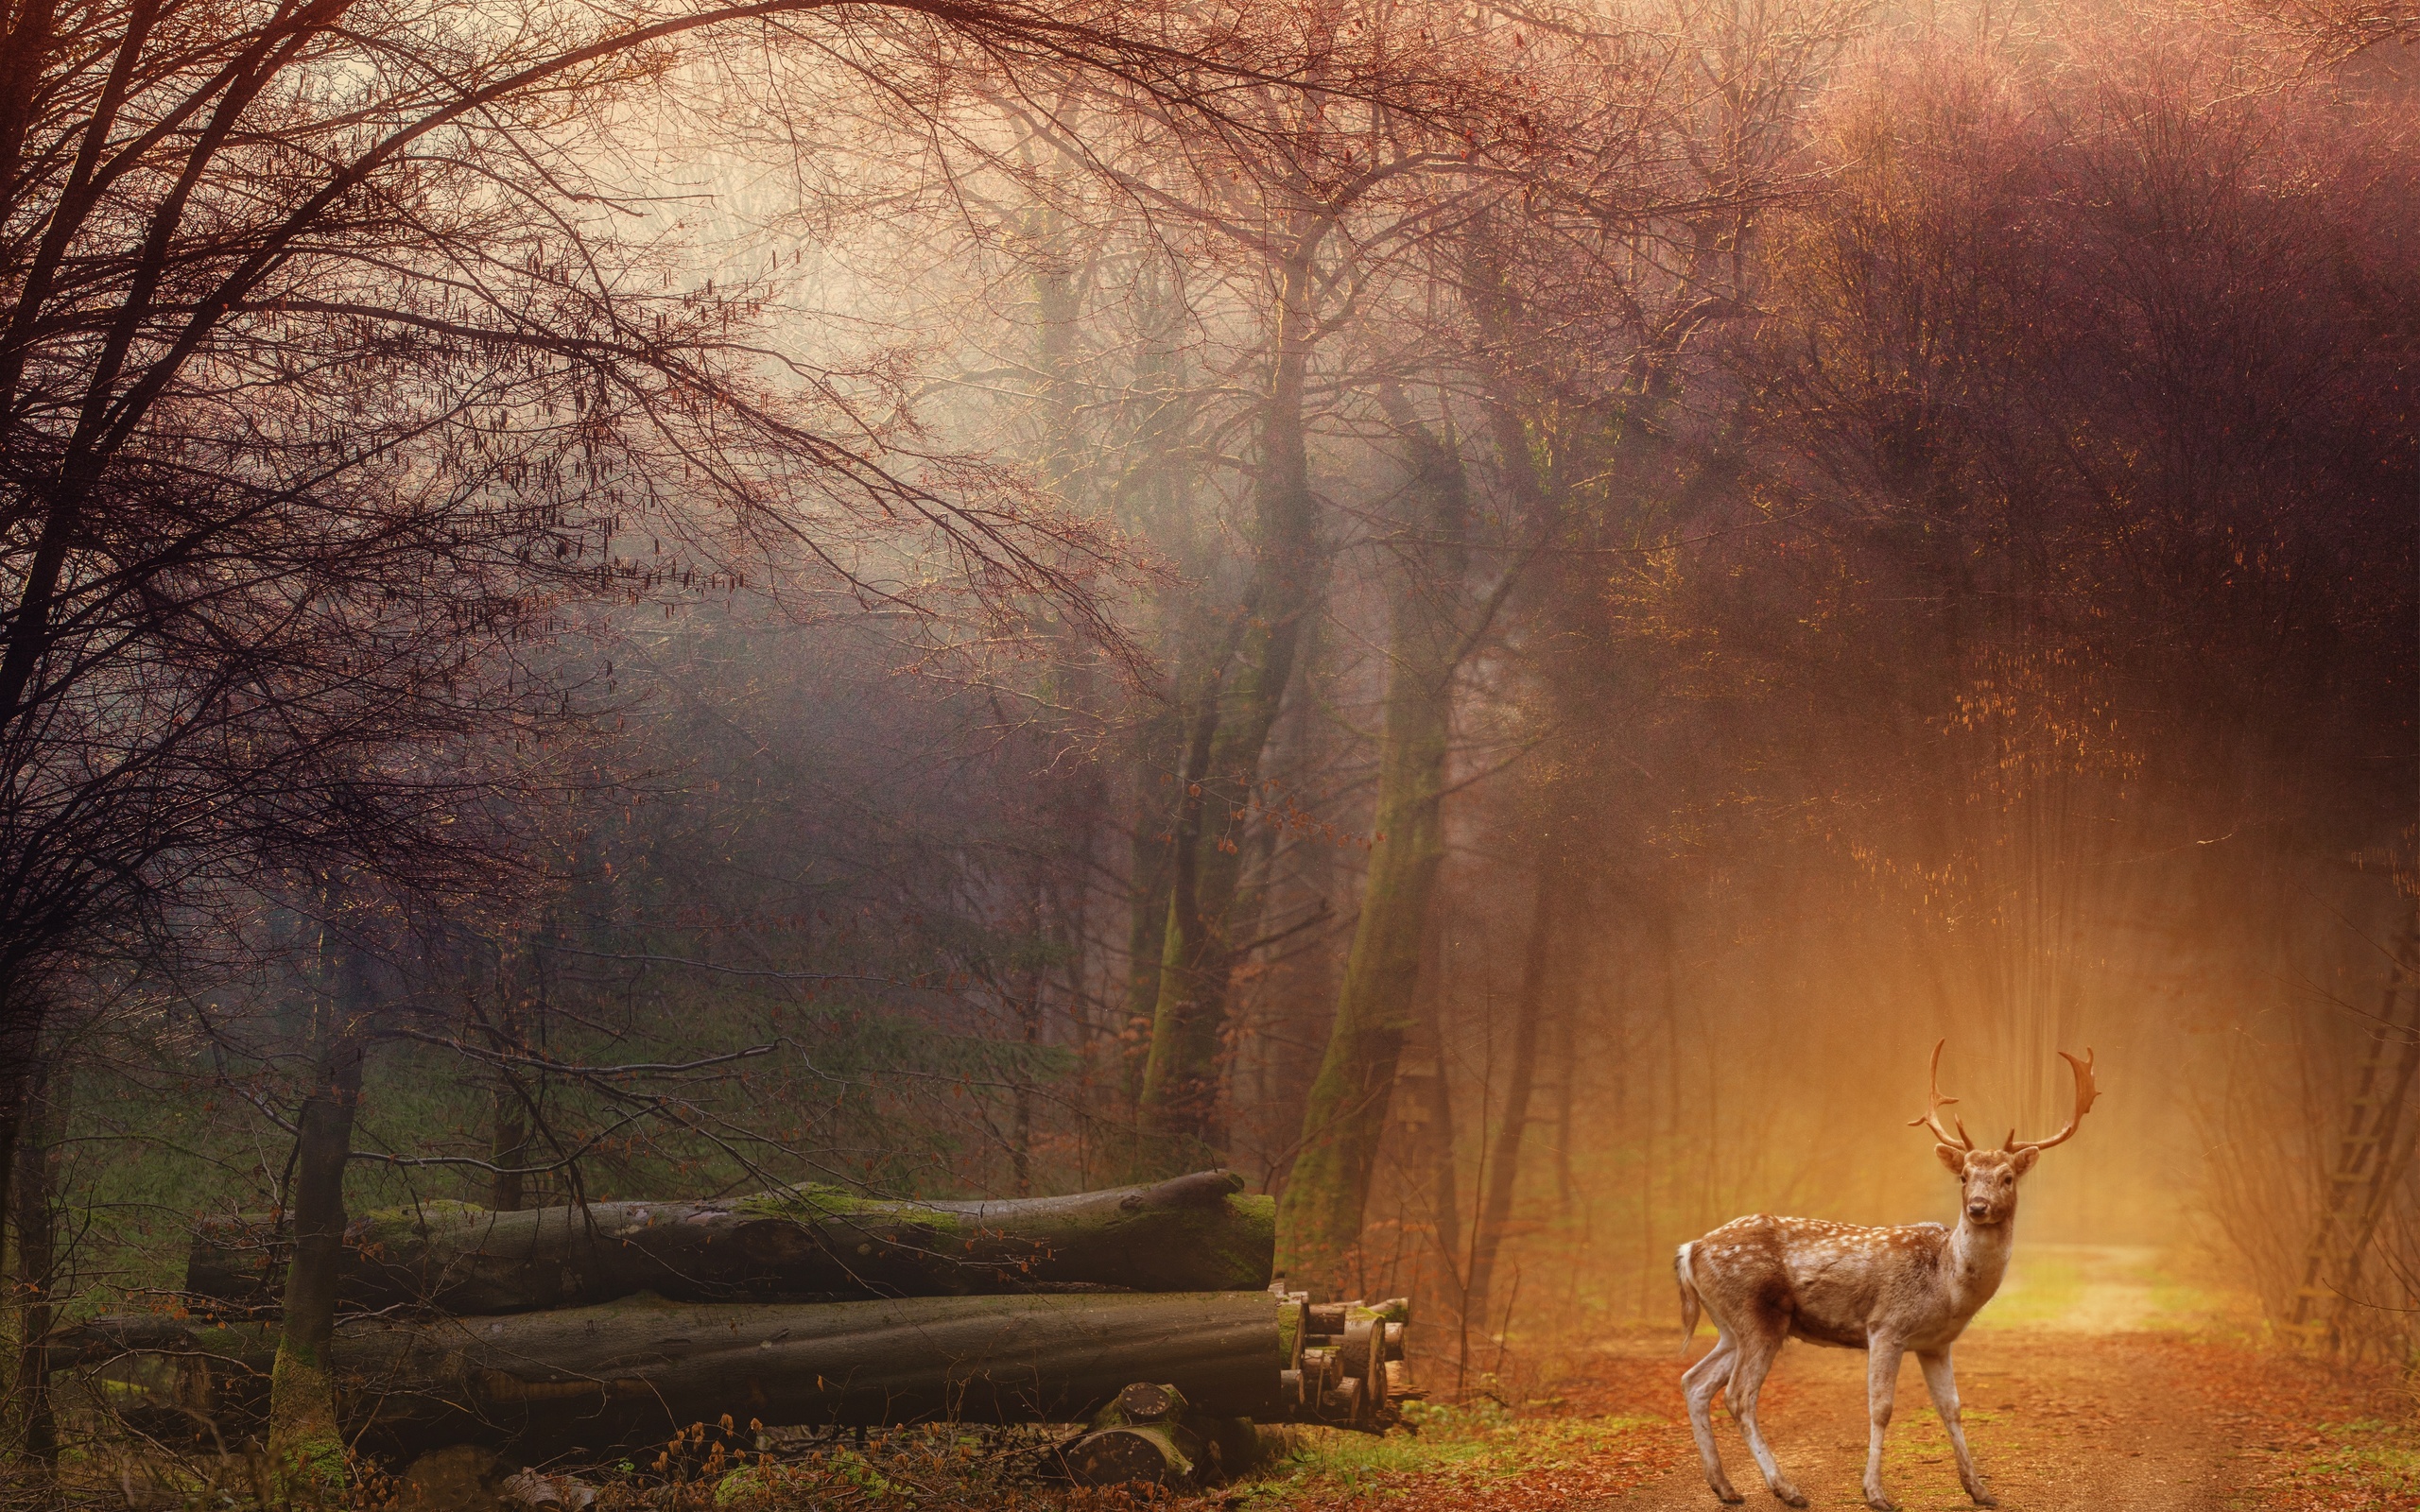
(2094, 1381)
(2098, 1384)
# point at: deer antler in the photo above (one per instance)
(1930, 1117)
(2086, 1095)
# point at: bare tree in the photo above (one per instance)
(331, 378)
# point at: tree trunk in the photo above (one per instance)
(21, 1022)
(1194, 1233)
(508, 1150)
(1421, 1077)
(33, 1193)
(1320, 1215)
(1233, 711)
(306, 1452)
(634, 1372)
(1152, 870)
(1504, 1161)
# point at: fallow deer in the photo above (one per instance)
(1763, 1280)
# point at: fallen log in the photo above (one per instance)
(633, 1373)
(1196, 1233)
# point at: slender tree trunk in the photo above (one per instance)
(1233, 711)
(1504, 1161)
(1435, 1090)
(508, 1151)
(21, 1023)
(306, 1447)
(33, 1193)
(1299, 990)
(1320, 1215)
(1150, 879)
(1030, 1034)
(520, 984)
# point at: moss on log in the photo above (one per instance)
(1195, 1233)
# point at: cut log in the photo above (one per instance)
(1196, 1233)
(1141, 1438)
(1146, 1455)
(633, 1373)
(1151, 1435)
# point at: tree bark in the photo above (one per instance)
(33, 1193)
(1504, 1161)
(306, 1452)
(509, 1149)
(1233, 711)
(1194, 1233)
(21, 1024)
(1425, 1049)
(1320, 1215)
(634, 1372)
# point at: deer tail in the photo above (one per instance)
(1689, 1294)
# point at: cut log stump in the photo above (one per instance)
(1129, 1456)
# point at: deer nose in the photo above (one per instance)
(1977, 1210)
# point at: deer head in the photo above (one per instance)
(1987, 1178)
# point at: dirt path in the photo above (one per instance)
(2095, 1382)
(2057, 1421)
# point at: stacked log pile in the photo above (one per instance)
(1345, 1363)
(563, 1332)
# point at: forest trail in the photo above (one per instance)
(2081, 1389)
(2097, 1380)
(2058, 1421)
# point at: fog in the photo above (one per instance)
(1497, 621)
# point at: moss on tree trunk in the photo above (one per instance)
(306, 1452)
(1318, 1220)
(1233, 707)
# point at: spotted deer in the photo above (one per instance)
(1763, 1280)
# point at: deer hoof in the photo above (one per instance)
(1726, 1495)
(1790, 1495)
(1880, 1502)
(1984, 1497)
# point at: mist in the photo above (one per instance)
(1496, 620)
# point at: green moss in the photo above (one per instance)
(2369, 1458)
(809, 1202)
(421, 1215)
(306, 1451)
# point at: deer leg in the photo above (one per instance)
(1757, 1352)
(1881, 1386)
(1944, 1386)
(1699, 1383)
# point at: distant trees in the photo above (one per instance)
(1627, 219)
(330, 379)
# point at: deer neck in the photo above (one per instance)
(1978, 1260)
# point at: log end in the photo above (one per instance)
(1129, 1456)
(1144, 1403)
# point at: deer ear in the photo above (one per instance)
(1953, 1157)
(2026, 1156)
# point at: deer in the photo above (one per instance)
(1763, 1280)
